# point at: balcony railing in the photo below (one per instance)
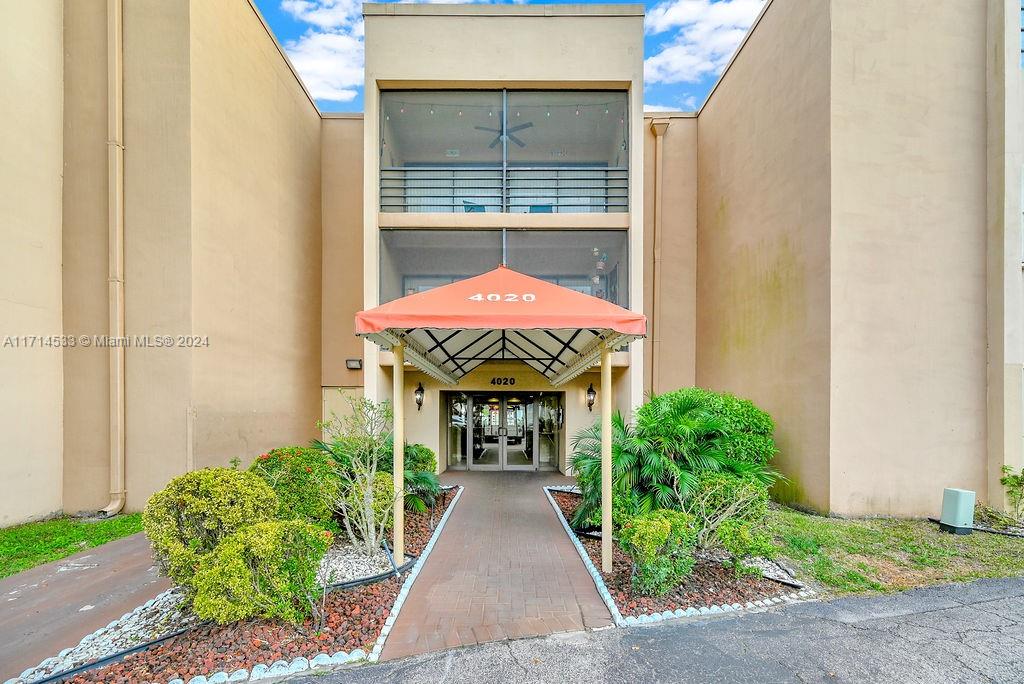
(532, 190)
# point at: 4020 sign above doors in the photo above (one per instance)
(503, 297)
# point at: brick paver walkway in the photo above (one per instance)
(502, 569)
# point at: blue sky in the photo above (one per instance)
(686, 45)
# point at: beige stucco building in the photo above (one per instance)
(835, 234)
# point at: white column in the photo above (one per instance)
(398, 452)
(606, 459)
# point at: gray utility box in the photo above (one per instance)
(957, 511)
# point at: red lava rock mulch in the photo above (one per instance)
(353, 619)
(710, 584)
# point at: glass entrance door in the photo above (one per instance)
(504, 431)
(520, 432)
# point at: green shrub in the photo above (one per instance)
(306, 482)
(661, 544)
(193, 513)
(746, 430)
(742, 540)
(674, 437)
(266, 570)
(1014, 485)
(717, 497)
(420, 458)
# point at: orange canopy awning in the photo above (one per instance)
(501, 314)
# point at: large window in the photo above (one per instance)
(414, 261)
(504, 151)
(590, 261)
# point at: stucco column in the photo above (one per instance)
(398, 452)
(658, 127)
(606, 459)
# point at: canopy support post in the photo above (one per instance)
(398, 451)
(606, 459)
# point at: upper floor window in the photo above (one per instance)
(590, 261)
(504, 151)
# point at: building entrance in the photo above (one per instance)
(504, 431)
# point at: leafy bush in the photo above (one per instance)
(717, 497)
(661, 544)
(1014, 485)
(420, 458)
(306, 481)
(742, 540)
(189, 517)
(266, 570)
(746, 431)
(675, 436)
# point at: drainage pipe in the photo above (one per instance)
(658, 127)
(115, 247)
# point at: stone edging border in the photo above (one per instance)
(301, 664)
(649, 618)
(403, 593)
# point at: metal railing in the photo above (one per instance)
(492, 189)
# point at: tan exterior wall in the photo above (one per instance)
(763, 237)
(907, 254)
(31, 86)
(674, 328)
(158, 242)
(255, 238)
(342, 195)
(85, 291)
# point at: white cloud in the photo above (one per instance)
(658, 108)
(706, 35)
(329, 55)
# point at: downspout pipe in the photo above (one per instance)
(115, 247)
(658, 127)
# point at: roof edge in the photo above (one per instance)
(488, 10)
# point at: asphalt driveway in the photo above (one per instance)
(950, 634)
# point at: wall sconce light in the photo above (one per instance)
(591, 397)
(418, 394)
(354, 364)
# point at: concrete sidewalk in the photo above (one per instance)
(51, 607)
(951, 634)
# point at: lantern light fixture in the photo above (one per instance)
(418, 394)
(591, 397)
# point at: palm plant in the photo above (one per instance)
(654, 461)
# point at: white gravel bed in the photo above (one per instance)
(152, 620)
(344, 563)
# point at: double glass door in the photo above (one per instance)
(504, 431)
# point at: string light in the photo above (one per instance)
(577, 110)
(402, 110)
(460, 112)
(431, 110)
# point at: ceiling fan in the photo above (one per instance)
(506, 132)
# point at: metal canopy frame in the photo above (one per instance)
(449, 354)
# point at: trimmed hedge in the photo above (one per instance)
(266, 570)
(188, 518)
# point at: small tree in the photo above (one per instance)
(1014, 485)
(366, 496)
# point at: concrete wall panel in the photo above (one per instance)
(908, 254)
(763, 237)
(31, 86)
(255, 188)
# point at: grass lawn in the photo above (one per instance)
(849, 556)
(31, 544)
